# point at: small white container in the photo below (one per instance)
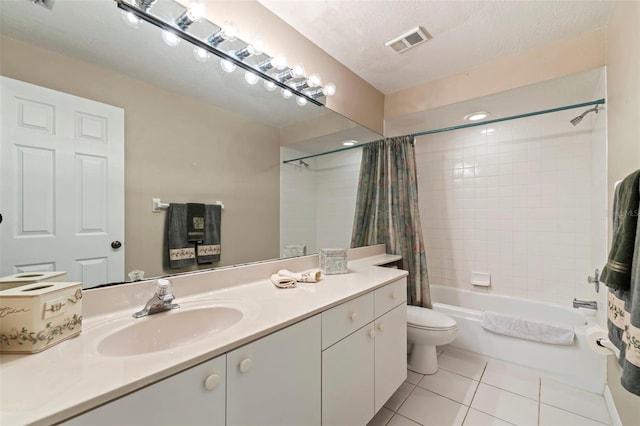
(36, 316)
(333, 261)
(23, 278)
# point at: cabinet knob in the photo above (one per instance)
(211, 382)
(245, 365)
(372, 333)
(380, 327)
(354, 316)
(394, 295)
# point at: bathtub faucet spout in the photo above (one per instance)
(589, 304)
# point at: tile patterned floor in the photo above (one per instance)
(471, 390)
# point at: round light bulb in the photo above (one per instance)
(286, 93)
(230, 32)
(130, 19)
(314, 80)
(280, 62)
(227, 66)
(301, 101)
(297, 71)
(250, 77)
(200, 54)
(258, 46)
(170, 38)
(196, 11)
(329, 89)
(270, 85)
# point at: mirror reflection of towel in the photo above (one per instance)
(179, 252)
(209, 250)
(195, 222)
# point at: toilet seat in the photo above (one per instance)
(428, 319)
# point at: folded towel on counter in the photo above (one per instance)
(195, 222)
(283, 282)
(527, 329)
(179, 252)
(208, 251)
(617, 272)
(312, 276)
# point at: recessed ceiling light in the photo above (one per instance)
(475, 116)
(349, 143)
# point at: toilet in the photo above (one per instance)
(427, 329)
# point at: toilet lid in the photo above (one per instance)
(428, 318)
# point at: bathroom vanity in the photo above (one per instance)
(330, 352)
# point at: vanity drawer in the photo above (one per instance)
(344, 319)
(390, 296)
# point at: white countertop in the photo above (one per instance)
(73, 377)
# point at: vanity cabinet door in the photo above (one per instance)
(194, 397)
(347, 380)
(390, 353)
(276, 380)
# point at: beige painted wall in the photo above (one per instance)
(623, 137)
(355, 98)
(178, 149)
(551, 61)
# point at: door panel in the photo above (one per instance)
(62, 174)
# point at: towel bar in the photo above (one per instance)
(606, 343)
(157, 205)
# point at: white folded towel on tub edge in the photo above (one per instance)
(527, 329)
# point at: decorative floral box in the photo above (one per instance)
(23, 278)
(333, 261)
(35, 316)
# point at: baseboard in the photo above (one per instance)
(611, 406)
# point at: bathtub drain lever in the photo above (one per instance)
(589, 304)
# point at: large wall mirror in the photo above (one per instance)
(192, 133)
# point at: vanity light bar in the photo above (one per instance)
(153, 20)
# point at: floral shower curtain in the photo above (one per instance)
(387, 210)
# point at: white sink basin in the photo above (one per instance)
(167, 330)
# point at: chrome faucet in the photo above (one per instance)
(589, 304)
(160, 302)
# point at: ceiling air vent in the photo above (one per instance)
(408, 40)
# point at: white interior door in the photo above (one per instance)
(62, 184)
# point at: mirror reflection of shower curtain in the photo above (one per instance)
(387, 210)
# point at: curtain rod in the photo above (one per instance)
(461, 126)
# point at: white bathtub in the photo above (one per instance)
(576, 365)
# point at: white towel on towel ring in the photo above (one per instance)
(527, 329)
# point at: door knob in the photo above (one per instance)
(116, 244)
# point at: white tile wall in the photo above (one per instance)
(517, 202)
(297, 202)
(337, 188)
(317, 204)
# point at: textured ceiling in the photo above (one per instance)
(465, 34)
